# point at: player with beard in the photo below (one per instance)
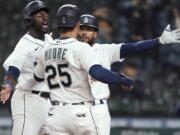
(109, 53)
(29, 105)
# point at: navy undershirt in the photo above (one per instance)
(133, 48)
(106, 76)
(13, 72)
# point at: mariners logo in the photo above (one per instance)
(63, 20)
(85, 20)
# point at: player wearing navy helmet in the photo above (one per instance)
(29, 105)
(65, 63)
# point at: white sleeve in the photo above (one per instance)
(18, 56)
(39, 69)
(87, 57)
(114, 52)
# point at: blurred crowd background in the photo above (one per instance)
(156, 72)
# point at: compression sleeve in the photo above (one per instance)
(132, 48)
(102, 74)
(13, 72)
(11, 76)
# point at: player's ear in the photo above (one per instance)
(95, 34)
(78, 25)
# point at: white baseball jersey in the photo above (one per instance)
(106, 55)
(24, 58)
(65, 65)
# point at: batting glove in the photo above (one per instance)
(168, 36)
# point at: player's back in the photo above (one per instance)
(67, 65)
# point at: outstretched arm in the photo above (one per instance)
(106, 76)
(134, 48)
(167, 37)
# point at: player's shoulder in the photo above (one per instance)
(106, 48)
(27, 41)
(22, 40)
(23, 44)
(84, 45)
(70, 43)
(79, 45)
(107, 44)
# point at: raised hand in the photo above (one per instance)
(168, 36)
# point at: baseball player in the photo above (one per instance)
(109, 53)
(29, 105)
(65, 64)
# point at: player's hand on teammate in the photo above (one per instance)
(5, 93)
(168, 36)
(126, 82)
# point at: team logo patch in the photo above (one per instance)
(63, 20)
(85, 20)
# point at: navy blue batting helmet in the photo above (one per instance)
(89, 20)
(68, 15)
(32, 8)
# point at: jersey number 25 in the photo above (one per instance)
(52, 69)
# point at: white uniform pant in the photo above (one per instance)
(85, 119)
(29, 112)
